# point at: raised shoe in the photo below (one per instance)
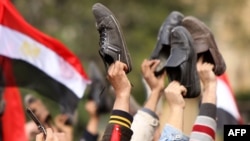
(162, 48)
(112, 42)
(181, 64)
(204, 43)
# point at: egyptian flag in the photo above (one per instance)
(40, 62)
(227, 109)
(13, 118)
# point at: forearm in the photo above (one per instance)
(209, 94)
(92, 126)
(153, 99)
(175, 117)
(134, 106)
(122, 102)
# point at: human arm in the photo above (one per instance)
(62, 127)
(146, 121)
(156, 83)
(174, 93)
(205, 125)
(90, 133)
(120, 119)
(122, 87)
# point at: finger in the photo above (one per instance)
(115, 69)
(183, 90)
(163, 75)
(111, 69)
(147, 64)
(143, 64)
(210, 66)
(49, 136)
(154, 64)
(199, 62)
(39, 137)
(62, 118)
(60, 136)
(119, 65)
(200, 59)
(175, 83)
(55, 137)
(124, 67)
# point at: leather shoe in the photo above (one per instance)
(204, 43)
(162, 48)
(181, 64)
(112, 43)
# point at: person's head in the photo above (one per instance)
(38, 107)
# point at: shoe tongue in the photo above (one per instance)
(177, 57)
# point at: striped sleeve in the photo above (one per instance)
(118, 128)
(205, 125)
(121, 118)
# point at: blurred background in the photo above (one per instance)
(72, 23)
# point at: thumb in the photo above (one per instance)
(199, 62)
(39, 137)
(183, 90)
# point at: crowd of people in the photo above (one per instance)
(184, 64)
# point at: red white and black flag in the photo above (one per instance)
(12, 118)
(227, 109)
(39, 62)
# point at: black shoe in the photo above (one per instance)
(99, 90)
(112, 42)
(181, 64)
(162, 49)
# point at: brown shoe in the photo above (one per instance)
(204, 43)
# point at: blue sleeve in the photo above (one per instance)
(172, 134)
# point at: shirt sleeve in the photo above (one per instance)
(118, 128)
(171, 133)
(205, 124)
(144, 125)
(87, 136)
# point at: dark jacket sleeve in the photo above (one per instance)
(87, 136)
(118, 128)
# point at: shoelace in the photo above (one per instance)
(103, 35)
